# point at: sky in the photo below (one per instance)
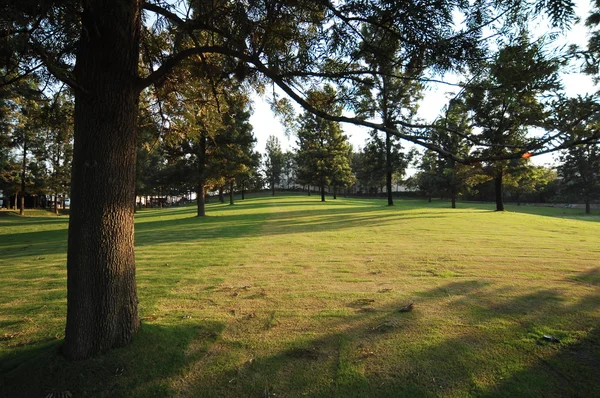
(266, 124)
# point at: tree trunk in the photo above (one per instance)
(335, 192)
(588, 207)
(102, 304)
(388, 168)
(201, 199)
(453, 200)
(23, 174)
(499, 193)
(221, 197)
(243, 190)
(273, 186)
(231, 193)
(322, 191)
(200, 194)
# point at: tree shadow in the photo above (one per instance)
(494, 346)
(466, 337)
(555, 212)
(229, 223)
(143, 368)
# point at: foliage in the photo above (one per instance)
(323, 150)
(274, 161)
(506, 100)
(580, 172)
(370, 164)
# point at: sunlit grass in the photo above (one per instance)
(288, 296)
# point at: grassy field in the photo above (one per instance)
(290, 297)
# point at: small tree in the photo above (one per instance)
(322, 147)
(274, 162)
(289, 168)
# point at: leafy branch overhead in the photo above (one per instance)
(298, 46)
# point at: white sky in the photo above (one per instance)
(265, 124)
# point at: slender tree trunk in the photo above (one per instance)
(201, 199)
(429, 199)
(588, 207)
(200, 193)
(499, 191)
(388, 168)
(309, 190)
(243, 190)
(221, 197)
(231, 193)
(23, 174)
(273, 186)
(453, 194)
(322, 190)
(335, 192)
(102, 304)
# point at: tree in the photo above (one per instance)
(322, 147)
(57, 121)
(442, 174)
(580, 165)
(234, 142)
(505, 102)
(529, 179)
(580, 170)
(274, 162)
(375, 160)
(395, 87)
(25, 139)
(289, 168)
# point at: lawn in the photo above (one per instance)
(291, 297)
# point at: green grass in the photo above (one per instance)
(291, 297)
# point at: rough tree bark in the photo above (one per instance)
(102, 304)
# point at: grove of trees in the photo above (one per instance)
(130, 97)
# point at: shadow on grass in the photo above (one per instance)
(228, 222)
(494, 347)
(143, 368)
(497, 348)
